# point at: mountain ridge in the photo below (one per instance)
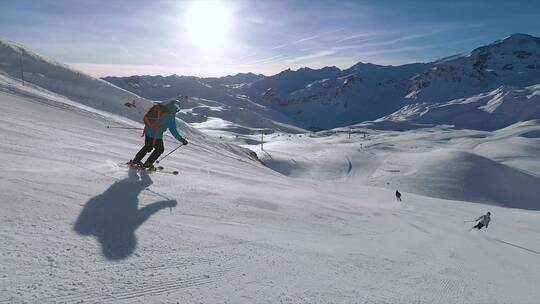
(330, 97)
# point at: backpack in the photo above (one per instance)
(152, 117)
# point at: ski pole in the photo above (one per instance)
(131, 128)
(468, 221)
(170, 153)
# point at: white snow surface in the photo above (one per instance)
(318, 224)
(76, 227)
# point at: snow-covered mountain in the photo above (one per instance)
(165, 87)
(513, 61)
(329, 97)
(487, 111)
(338, 98)
(214, 104)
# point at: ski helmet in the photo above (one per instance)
(174, 104)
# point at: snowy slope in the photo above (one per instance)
(75, 227)
(63, 80)
(488, 111)
(499, 168)
(323, 227)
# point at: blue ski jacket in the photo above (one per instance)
(167, 120)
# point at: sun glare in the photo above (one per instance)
(207, 24)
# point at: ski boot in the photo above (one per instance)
(149, 167)
(135, 164)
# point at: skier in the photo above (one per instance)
(398, 196)
(483, 221)
(157, 120)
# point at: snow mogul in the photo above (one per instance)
(157, 120)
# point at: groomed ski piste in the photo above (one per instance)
(318, 222)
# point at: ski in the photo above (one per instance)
(157, 169)
(162, 171)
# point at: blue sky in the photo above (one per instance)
(215, 38)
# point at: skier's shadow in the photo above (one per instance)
(113, 216)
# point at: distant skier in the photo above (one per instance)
(483, 221)
(398, 196)
(156, 121)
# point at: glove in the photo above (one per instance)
(184, 141)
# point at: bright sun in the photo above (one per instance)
(208, 24)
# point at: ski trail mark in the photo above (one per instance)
(419, 228)
(349, 169)
(514, 245)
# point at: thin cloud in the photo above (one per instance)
(270, 59)
(314, 55)
(279, 46)
(355, 37)
(262, 61)
(362, 36)
(387, 42)
(294, 42)
(246, 57)
(394, 50)
(416, 32)
(417, 48)
(306, 39)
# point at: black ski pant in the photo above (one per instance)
(149, 145)
(479, 226)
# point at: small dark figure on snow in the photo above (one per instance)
(158, 119)
(398, 195)
(483, 221)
